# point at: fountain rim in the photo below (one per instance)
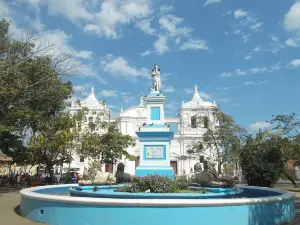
(31, 194)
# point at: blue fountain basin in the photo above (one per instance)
(109, 192)
(254, 206)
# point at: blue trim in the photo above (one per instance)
(155, 134)
(155, 95)
(143, 171)
(155, 125)
(155, 113)
(163, 153)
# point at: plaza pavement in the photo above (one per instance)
(10, 200)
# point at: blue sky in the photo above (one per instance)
(243, 54)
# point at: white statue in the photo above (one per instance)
(155, 78)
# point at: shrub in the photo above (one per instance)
(181, 183)
(154, 183)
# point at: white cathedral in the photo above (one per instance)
(186, 127)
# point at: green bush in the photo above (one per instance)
(154, 183)
(262, 159)
(181, 183)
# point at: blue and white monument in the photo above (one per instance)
(155, 136)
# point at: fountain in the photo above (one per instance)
(78, 205)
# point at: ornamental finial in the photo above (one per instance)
(92, 90)
(196, 89)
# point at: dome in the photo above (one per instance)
(197, 101)
(91, 102)
(137, 111)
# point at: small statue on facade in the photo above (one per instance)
(155, 78)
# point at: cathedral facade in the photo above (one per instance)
(187, 129)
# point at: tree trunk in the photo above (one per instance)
(291, 179)
(51, 173)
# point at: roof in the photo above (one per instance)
(136, 111)
(91, 102)
(197, 101)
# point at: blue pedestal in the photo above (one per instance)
(142, 171)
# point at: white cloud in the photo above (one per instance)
(258, 70)
(247, 57)
(115, 13)
(145, 26)
(194, 44)
(208, 2)
(240, 13)
(170, 24)
(91, 28)
(161, 45)
(292, 18)
(204, 95)
(119, 66)
(257, 49)
(254, 70)
(295, 62)
(81, 88)
(256, 26)
(188, 90)
(104, 19)
(291, 43)
(84, 54)
(255, 127)
(145, 53)
(201, 93)
(109, 93)
(73, 10)
(240, 72)
(168, 89)
(247, 83)
(166, 8)
(126, 97)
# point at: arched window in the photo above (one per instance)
(205, 122)
(194, 122)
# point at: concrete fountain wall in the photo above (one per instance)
(47, 204)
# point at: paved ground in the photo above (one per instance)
(9, 210)
(10, 199)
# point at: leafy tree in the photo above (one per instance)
(262, 158)
(32, 85)
(107, 147)
(51, 143)
(288, 126)
(223, 135)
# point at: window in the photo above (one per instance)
(81, 159)
(205, 122)
(90, 119)
(194, 122)
(92, 126)
(201, 159)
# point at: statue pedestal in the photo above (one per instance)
(155, 153)
(155, 138)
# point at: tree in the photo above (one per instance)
(52, 142)
(107, 147)
(32, 90)
(33, 87)
(262, 158)
(222, 134)
(288, 126)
